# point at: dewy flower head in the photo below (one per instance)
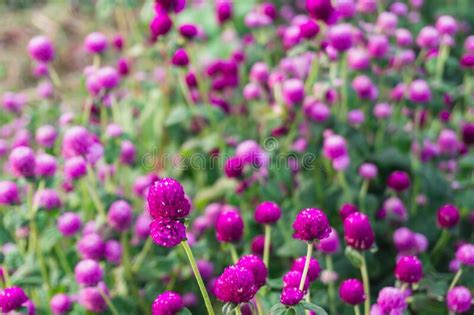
(311, 224)
(447, 216)
(313, 270)
(229, 226)
(267, 213)
(167, 232)
(167, 303)
(11, 299)
(358, 231)
(465, 254)
(291, 296)
(236, 285)
(293, 278)
(166, 199)
(409, 269)
(256, 266)
(459, 299)
(352, 292)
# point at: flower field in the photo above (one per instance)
(284, 157)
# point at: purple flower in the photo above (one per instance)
(233, 167)
(358, 231)
(321, 10)
(465, 254)
(340, 37)
(88, 272)
(167, 303)
(267, 213)
(9, 193)
(46, 136)
(293, 91)
(206, 268)
(113, 252)
(128, 152)
(399, 181)
(75, 168)
(11, 299)
(160, 25)
(46, 165)
(47, 199)
(77, 141)
(313, 270)
(166, 199)
(91, 298)
(368, 171)
(329, 245)
(142, 226)
(257, 245)
(351, 291)
(120, 215)
(447, 216)
(175, 6)
(188, 30)
(108, 77)
(291, 296)
(419, 92)
(69, 223)
(409, 269)
(91, 246)
(236, 285)
(293, 278)
(459, 299)
(167, 233)
(180, 58)
(60, 304)
(229, 226)
(22, 161)
(41, 49)
(391, 299)
(224, 11)
(95, 43)
(346, 210)
(311, 224)
(256, 266)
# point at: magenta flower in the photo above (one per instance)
(313, 270)
(167, 232)
(75, 168)
(91, 298)
(91, 246)
(167, 303)
(160, 25)
(46, 165)
(236, 285)
(11, 299)
(95, 43)
(48, 199)
(88, 272)
(291, 296)
(459, 299)
(229, 226)
(69, 223)
(346, 210)
(392, 299)
(329, 245)
(399, 181)
(293, 278)
(358, 231)
(352, 292)
(166, 199)
(41, 49)
(256, 266)
(465, 254)
(180, 58)
(224, 11)
(22, 161)
(9, 193)
(409, 269)
(267, 213)
(46, 136)
(60, 304)
(113, 252)
(447, 216)
(120, 215)
(311, 224)
(321, 10)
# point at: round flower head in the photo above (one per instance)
(392, 299)
(160, 25)
(459, 299)
(235, 285)
(351, 291)
(76, 141)
(128, 152)
(95, 43)
(9, 193)
(448, 142)
(91, 298)
(88, 272)
(340, 37)
(46, 136)
(167, 233)
(378, 46)
(75, 168)
(291, 296)
(368, 171)
(404, 239)
(446, 25)
(91, 246)
(257, 245)
(358, 231)
(334, 146)
(113, 252)
(41, 49)
(419, 91)
(69, 223)
(175, 6)
(399, 181)
(468, 133)
(256, 266)
(180, 58)
(224, 11)
(167, 303)
(46, 165)
(293, 278)
(293, 91)
(166, 199)
(188, 31)
(47, 199)
(206, 268)
(120, 215)
(313, 270)
(428, 38)
(329, 245)
(60, 304)
(142, 226)
(409, 269)
(465, 254)
(321, 10)
(229, 226)
(108, 77)
(346, 210)
(267, 213)
(309, 29)
(11, 299)
(311, 224)
(22, 161)
(447, 216)
(233, 167)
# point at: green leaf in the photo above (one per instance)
(178, 115)
(313, 307)
(278, 309)
(354, 256)
(49, 238)
(184, 311)
(228, 308)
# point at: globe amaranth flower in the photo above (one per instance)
(206, 268)
(167, 233)
(311, 224)
(166, 199)
(291, 296)
(60, 304)
(77, 141)
(91, 246)
(321, 10)
(313, 270)
(9, 193)
(75, 168)
(46, 136)
(235, 285)
(229, 226)
(234, 167)
(11, 299)
(256, 266)
(22, 161)
(392, 299)
(399, 181)
(224, 11)
(69, 223)
(346, 210)
(352, 292)
(113, 252)
(142, 226)
(459, 299)
(160, 25)
(47, 199)
(91, 298)
(120, 215)
(409, 269)
(293, 278)
(257, 245)
(88, 272)
(167, 303)
(358, 231)
(447, 216)
(180, 58)
(465, 254)
(46, 165)
(267, 213)
(95, 43)
(41, 49)
(329, 245)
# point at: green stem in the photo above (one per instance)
(198, 277)
(142, 255)
(331, 289)
(440, 244)
(362, 194)
(267, 244)
(233, 253)
(365, 279)
(62, 259)
(441, 60)
(345, 188)
(313, 74)
(455, 279)
(237, 310)
(309, 251)
(108, 301)
(356, 310)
